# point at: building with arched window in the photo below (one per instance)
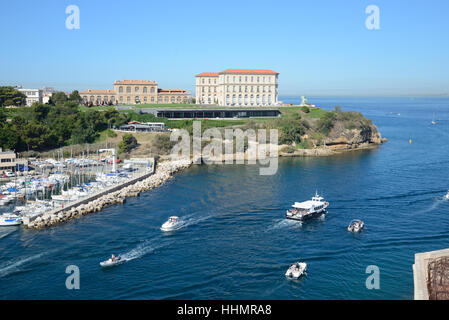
(135, 92)
(214, 87)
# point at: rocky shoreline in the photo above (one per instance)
(164, 171)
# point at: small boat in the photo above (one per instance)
(296, 270)
(446, 196)
(309, 209)
(171, 224)
(10, 220)
(433, 119)
(356, 226)
(111, 263)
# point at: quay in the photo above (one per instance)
(109, 196)
(431, 275)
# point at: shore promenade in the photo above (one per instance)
(110, 196)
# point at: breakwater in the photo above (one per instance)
(113, 195)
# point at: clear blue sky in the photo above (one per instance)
(319, 47)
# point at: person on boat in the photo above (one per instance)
(113, 258)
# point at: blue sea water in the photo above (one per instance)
(236, 243)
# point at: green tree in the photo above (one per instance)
(128, 143)
(58, 98)
(75, 97)
(11, 96)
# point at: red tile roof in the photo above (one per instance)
(134, 82)
(249, 71)
(207, 74)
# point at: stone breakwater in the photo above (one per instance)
(113, 195)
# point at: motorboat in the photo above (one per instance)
(356, 226)
(171, 224)
(10, 220)
(446, 196)
(112, 262)
(296, 270)
(309, 209)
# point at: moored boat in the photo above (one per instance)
(10, 220)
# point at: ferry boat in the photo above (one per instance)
(309, 209)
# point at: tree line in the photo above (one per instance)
(60, 123)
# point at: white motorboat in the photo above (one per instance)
(10, 220)
(296, 270)
(112, 262)
(446, 196)
(308, 209)
(356, 226)
(171, 224)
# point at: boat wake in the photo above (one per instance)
(284, 223)
(14, 266)
(6, 231)
(147, 247)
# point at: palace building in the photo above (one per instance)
(238, 87)
(134, 92)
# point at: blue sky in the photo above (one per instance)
(319, 47)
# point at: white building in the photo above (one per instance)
(238, 87)
(33, 95)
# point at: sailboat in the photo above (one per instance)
(433, 119)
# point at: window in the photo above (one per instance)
(152, 99)
(105, 98)
(246, 79)
(128, 99)
(145, 99)
(121, 98)
(257, 79)
(240, 79)
(112, 98)
(120, 89)
(128, 89)
(136, 89)
(145, 89)
(252, 78)
(152, 90)
(202, 80)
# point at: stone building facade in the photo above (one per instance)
(135, 92)
(238, 87)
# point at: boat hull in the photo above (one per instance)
(307, 216)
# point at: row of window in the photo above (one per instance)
(240, 79)
(99, 99)
(239, 89)
(136, 89)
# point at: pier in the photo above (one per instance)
(115, 194)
